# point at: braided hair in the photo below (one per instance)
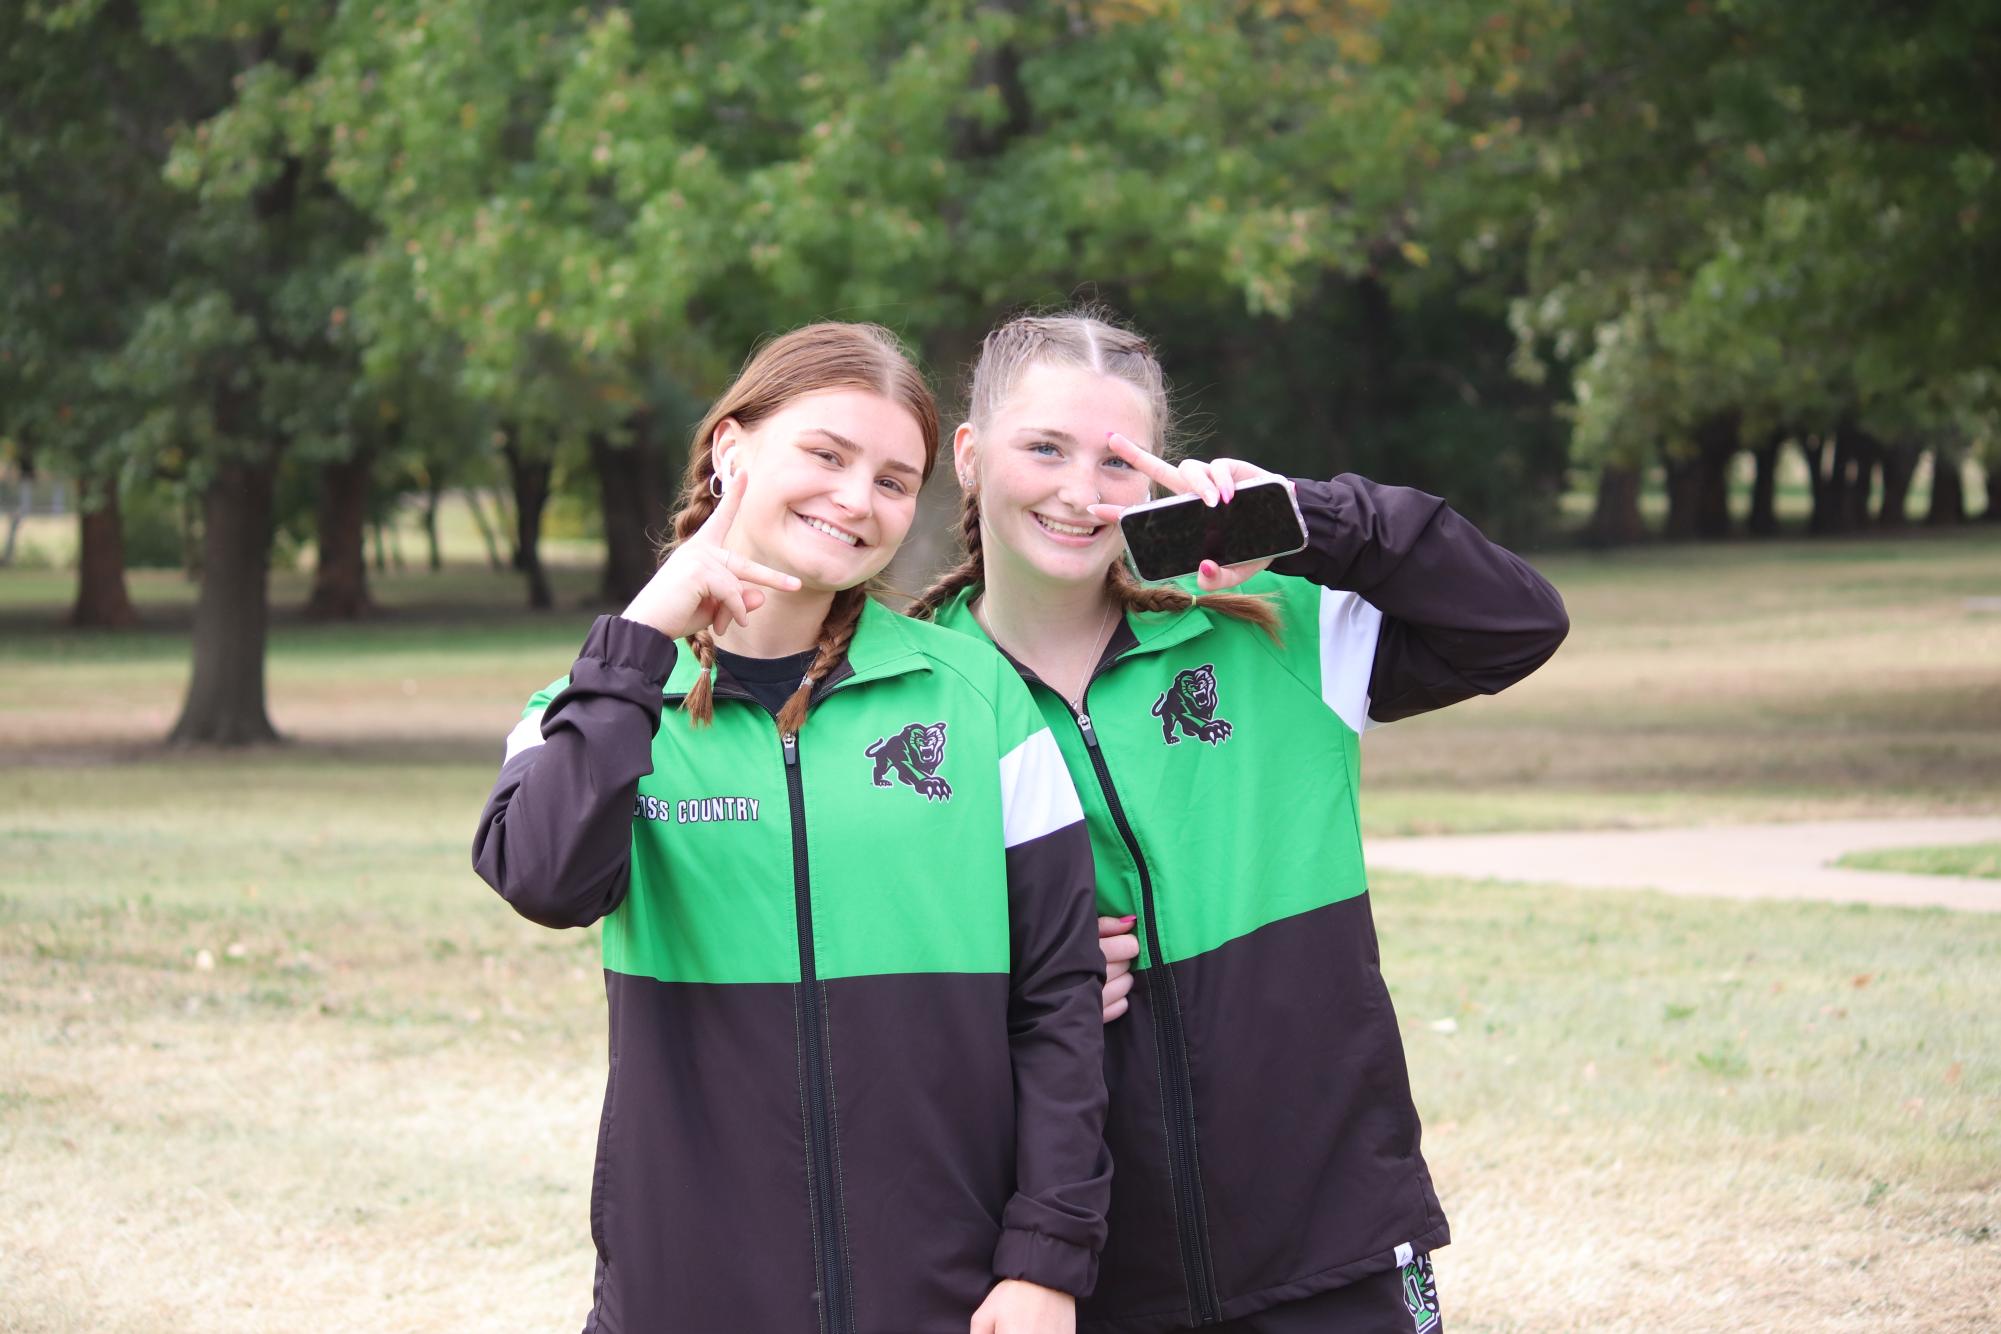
(831, 355)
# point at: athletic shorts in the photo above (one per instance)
(1396, 1301)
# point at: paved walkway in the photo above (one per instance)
(1755, 861)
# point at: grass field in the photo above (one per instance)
(1974, 859)
(272, 1058)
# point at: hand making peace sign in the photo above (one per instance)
(1216, 481)
(703, 584)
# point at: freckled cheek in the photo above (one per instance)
(1124, 490)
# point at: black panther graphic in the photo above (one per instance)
(914, 754)
(1420, 1296)
(1190, 706)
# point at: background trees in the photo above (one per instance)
(322, 260)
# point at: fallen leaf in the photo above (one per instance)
(1862, 980)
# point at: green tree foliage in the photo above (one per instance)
(1744, 214)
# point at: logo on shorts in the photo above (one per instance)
(1420, 1295)
(1188, 707)
(913, 755)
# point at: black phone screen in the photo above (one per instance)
(1170, 539)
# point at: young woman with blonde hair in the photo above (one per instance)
(1269, 1178)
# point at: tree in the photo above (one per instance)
(1798, 208)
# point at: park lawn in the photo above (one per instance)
(274, 1059)
(1792, 680)
(1727, 683)
(1974, 859)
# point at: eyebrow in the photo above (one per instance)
(1049, 431)
(892, 465)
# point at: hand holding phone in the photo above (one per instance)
(1227, 520)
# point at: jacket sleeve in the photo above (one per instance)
(555, 838)
(1459, 615)
(1053, 1229)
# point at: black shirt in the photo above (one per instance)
(770, 680)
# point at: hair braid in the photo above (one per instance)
(965, 574)
(701, 702)
(836, 632)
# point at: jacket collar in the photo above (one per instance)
(1139, 632)
(882, 647)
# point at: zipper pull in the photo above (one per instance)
(790, 740)
(1090, 733)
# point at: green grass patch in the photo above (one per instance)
(272, 983)
(1974, 859)
(272, 1057)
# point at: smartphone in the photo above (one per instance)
(1168, 538)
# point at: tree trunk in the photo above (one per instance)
(101, 598)
(1899, 462)
(530, 477)
(634, 508)
(1814, 449)
(340, 580)
(1764, 520)
(1717, 441)
(1992, 514)
(23, 495)
(494, 559)
(1683, 495)
(191, 535)
(225, 703)
(1948, 489)
(1615, 518)
(433, 492)
(1856, 456)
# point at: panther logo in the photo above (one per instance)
(1190, 706)
(914, 754)
(1420, 1296)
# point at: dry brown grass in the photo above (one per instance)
(1585, 1231)
(375, 1109)
(1701, 684)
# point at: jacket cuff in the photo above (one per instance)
(1040, 1258)
(1320, 505)
(617, 642)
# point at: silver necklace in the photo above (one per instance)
(1102, 638)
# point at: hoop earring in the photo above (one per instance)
(716, 485)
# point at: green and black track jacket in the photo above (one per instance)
(854, 983)
(1261, 1115)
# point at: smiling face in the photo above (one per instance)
(833, 480)
(1042, 461)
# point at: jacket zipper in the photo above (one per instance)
(1172, 1051)
(830, 1251)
